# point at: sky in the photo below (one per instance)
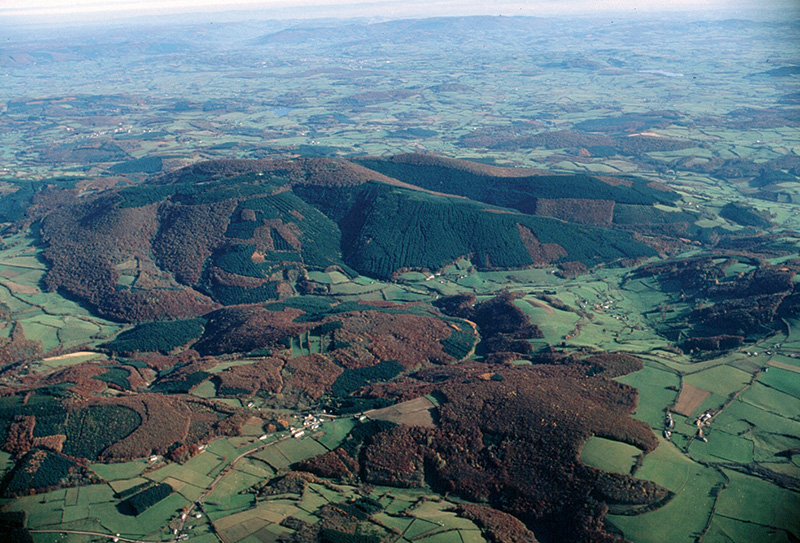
(92, 9)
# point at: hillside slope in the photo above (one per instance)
(235, 231)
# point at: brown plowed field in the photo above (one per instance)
(417, 412)
(689, 399)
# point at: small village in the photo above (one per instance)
(701, 422)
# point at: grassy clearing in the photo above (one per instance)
(721, 380)
(728, 530)
(206, 463)
(296, 450)
(334, 432)
(657, 390)
(43, 509)
(420, 527)
(89, 495)
(206, 389)
(769, 399)
(722, 447)
(149, 522)
(222, 448)
(125, 470)
(273, 457)
(225, 499)
(777, 507)
(609, 455)
(687, 513)
(770, 433)
(782, 380)
(181, 473)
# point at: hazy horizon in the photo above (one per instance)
(90, 11)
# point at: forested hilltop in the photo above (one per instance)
(232, 232)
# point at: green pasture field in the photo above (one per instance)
(769, 432)
(273, 457)
(43, 509)
(311, 501)
(769, 399)
(713, 401)
(743, 417)
(74, 512)
(299, 346)
(754, 500)
(420, 527)
(37, 311)
(206, 463)
(341, 492)
(234, 482)
(71, 497)
(729, 530)
(320, 277)
(396, 522)
(654, 394)
(190, 492)
(334, 432)
(721, 380)
(687, 513)
(436, 511)
(92, 494)
(226, 499)
(206, 389)
(6, 462)
(121, 485)
(255, 467)
(782, 380)
(338, 277)
(353, 289)
(296, 450)
(223, 449)
(555, 326)
(151, 522)
(182, 473)
(403, 294)
(792, 342)
(76, 330)
(722, 447)
(609, 455)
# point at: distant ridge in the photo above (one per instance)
(228, 232)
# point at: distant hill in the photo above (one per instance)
(229, 232)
